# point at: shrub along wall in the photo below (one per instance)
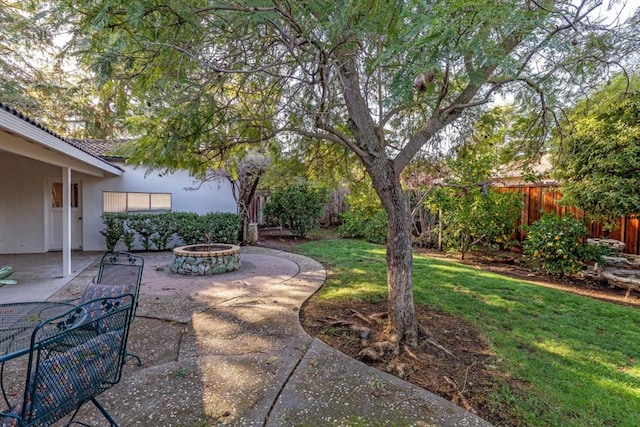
(158, 231)
(545, 198)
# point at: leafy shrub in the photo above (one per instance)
(114, 230)
(221, 227)
(354, 222)
(474, 217)
(159, 229)
(164, 227)
(375, 230)
(557, 245)
(142, 225)
(299, 206)
(189, 227)
(365, 217)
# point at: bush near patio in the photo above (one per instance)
(558, 245)
(156, 231)
(574, 365)
(298, 206)
(364, 217)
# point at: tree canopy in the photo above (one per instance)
(381, 79)
(598, 152)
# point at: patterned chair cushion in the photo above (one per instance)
(94, 291)
(69, 379)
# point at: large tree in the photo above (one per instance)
(382, 78)
(40, 82)
(597, 152)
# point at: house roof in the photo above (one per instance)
(17, 123)
(515, 170)
(98, 147)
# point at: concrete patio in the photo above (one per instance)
(229, 350)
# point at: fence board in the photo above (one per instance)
(546, 198)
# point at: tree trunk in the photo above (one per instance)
(402, 315)
(370, 148)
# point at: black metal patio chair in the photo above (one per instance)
(60, 383)
(121, 269)
(119, 273)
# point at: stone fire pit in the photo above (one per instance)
(206, 259)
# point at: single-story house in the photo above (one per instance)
(54, 190)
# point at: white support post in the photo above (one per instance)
(66, 222)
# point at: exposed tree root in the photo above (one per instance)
(362, 317)
(428, 337)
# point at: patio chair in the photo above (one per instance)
(60, 383)
(121, 268)
(119, 273)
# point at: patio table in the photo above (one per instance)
(18, 321)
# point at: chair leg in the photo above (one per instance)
(128, 356)
(104, 412)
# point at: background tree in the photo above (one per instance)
(473, 211)
(383, 79)
(597, 152)
(36, 79)
(244, 183)
(299, 206)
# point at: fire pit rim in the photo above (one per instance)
(228, 249)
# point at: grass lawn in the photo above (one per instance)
(581, 357)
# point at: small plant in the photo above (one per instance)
(5, 273)
(220, 227)
(189, 227)
(114, 230)
(129, 236)
(163, 226)
(365, 216)
(558, 246)
(141, 224)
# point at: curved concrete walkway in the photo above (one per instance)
(230, 350)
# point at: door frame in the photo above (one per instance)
(76, 216)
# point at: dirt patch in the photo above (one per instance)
(465, 372)
(281, 239)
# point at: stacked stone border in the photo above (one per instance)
(222, 258)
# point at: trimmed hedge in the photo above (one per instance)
(156, 231)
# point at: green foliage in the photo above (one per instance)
(142, 225)
(189, 227)
(598, 155)
(129, 238)
(365, 216)
(298, 206)
(473, 212)
(164, 227)
(475, 218)
(220, 227)
(114, 230)
(558, 246)
(375, 230)
(5, 273)
(157, 230)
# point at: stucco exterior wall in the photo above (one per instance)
(23, 209)
(22, 203)
(211, 197)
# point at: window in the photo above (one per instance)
(114, 201)
(56, 195)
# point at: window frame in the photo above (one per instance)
(128, 209)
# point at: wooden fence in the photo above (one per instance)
(544, 198)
